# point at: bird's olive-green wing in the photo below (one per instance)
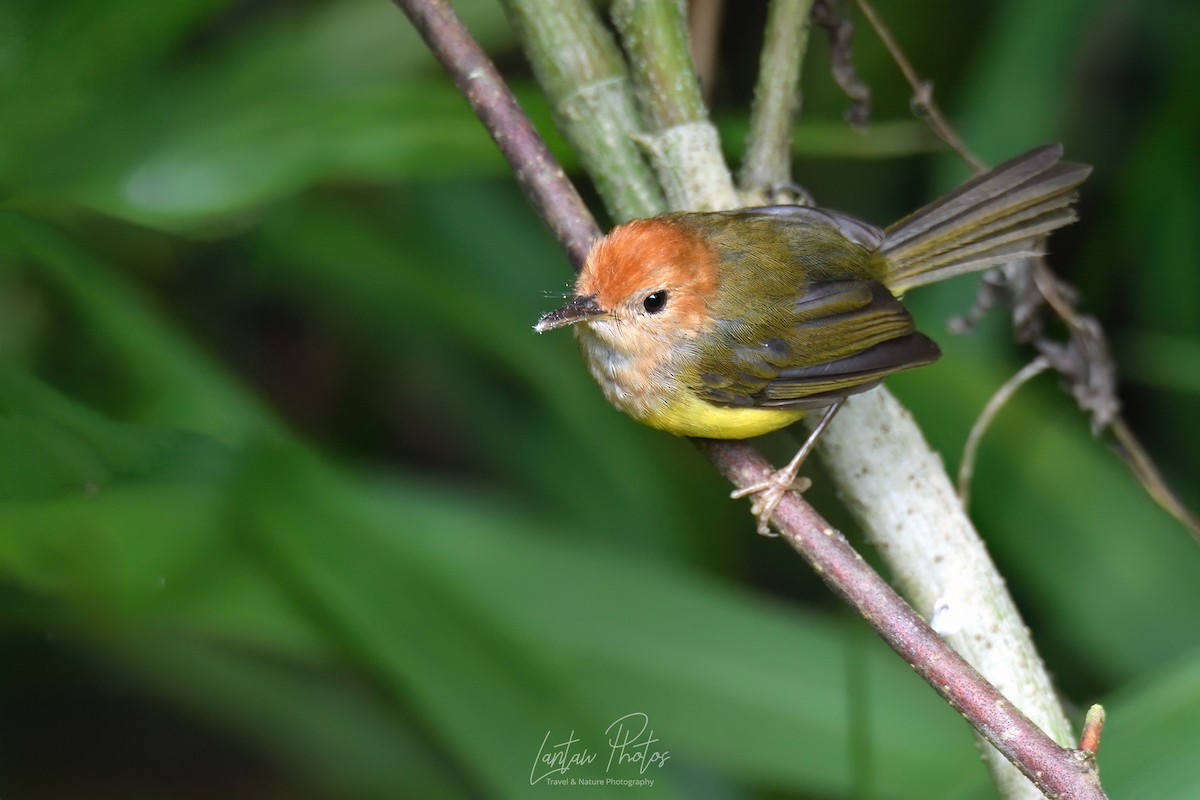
(835, 339)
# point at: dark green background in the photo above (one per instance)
(293, 503)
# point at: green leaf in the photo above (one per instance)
(482, 304)
(51, 446)
(342, 91)
(1017, 95)
(318, 720)
(1151, 735)
(165, 377)
(498, 637)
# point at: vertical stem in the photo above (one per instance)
(768, 159)
(682, 143)
(655, 37)
(584, 76)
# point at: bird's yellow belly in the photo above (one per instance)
(688, 415)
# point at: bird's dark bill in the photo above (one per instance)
(579, 309)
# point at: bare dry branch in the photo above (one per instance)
(840, 30)
(998, 400)
(922, 99)
(1083, 359)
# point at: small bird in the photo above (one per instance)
(732, 324)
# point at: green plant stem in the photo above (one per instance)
(768, 162)
(681, 141)
(584, 76)
(655, 37)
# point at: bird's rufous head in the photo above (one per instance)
(654, 275)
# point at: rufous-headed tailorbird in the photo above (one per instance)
(731, 324)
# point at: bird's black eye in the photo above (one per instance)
(655, 301)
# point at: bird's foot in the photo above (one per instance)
(769, 493)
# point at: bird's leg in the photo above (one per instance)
(769, 493)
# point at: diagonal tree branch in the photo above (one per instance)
(922, 99)
(1059, 772)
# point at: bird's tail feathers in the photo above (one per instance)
(993, 218)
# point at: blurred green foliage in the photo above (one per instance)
(293, 504)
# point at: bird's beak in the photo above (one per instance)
(581, 308)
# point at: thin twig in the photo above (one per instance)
(1085, 362)
(922, 99)
(1131, 451)
(1084, 359)
(767, 163)
(998, 400)
(1053, 768)
(840, 30)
